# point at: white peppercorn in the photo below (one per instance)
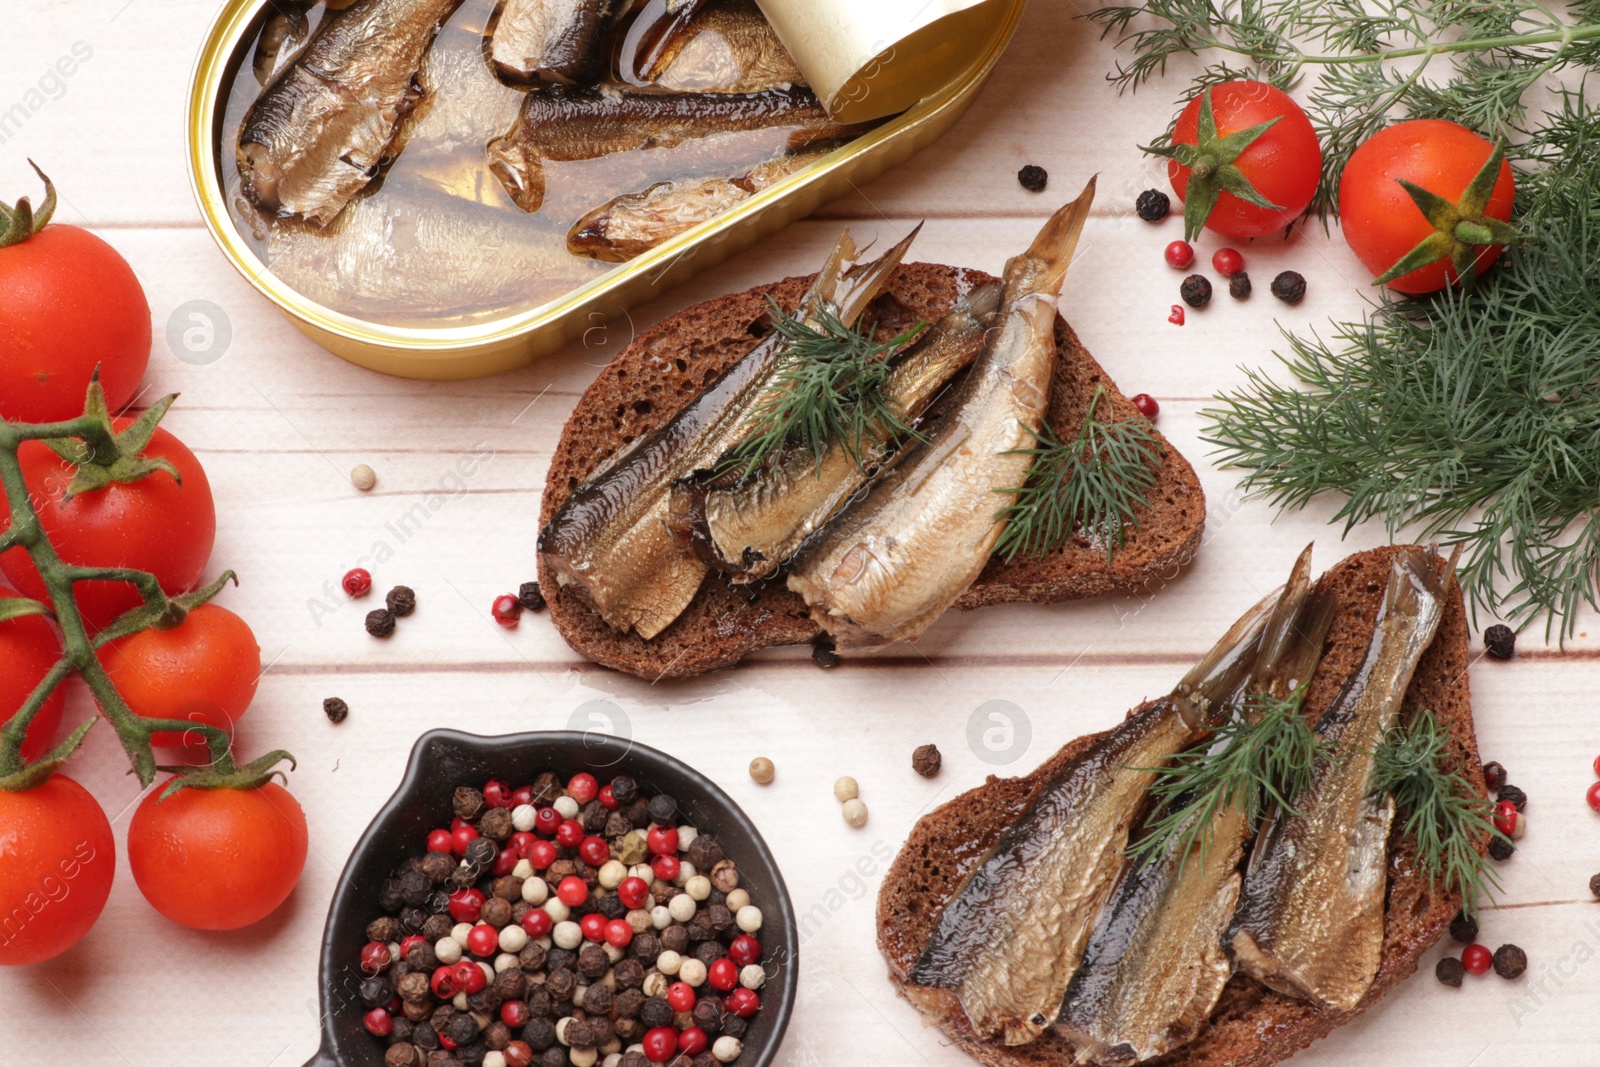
(523, 870)
(524, 817)
(686, 836)
(855, 813)
(660, 917)
(845, 789)
(448, 949)
(557, 909)
(692, 971)
(566, 806)
(563, 1025)
(669, 962)
(698, 887)
(686, 871)
(726, 1049)
(513, 938)
(567, 935)
(583, 1057)
(460, 932)
(640, 920)
(363, 477)
(752, 976)
(748, 918)
(681, 907)
(738, 899)
(535, 891)
(762, 770)
(655, 984)
(494, 1059)
(506, 961)
(611, 874)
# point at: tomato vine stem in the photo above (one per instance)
(136, 733)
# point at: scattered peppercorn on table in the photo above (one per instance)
(321, 469)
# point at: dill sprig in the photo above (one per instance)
(1441, 809)
(1370, 62)
(1261, 758)
(1094, 481)
(1473, 418)
(829, 390)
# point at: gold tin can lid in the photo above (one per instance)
(868, 59)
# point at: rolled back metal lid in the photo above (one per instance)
(867, 60)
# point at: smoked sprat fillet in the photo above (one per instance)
(318, 133)
(898, 557)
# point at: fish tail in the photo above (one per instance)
(1055, 244)
(520, 170)
(849, 287)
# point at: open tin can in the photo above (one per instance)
(502, 343)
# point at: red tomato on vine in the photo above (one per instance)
(59, 863)
(68, 303)
(1244, 159)
(29, 647)
(204, 671)
(1402, 175)
(154, 524)
(218, 859)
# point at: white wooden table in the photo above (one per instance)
(278, 424)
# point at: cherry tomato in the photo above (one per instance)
(68, 303)
(153, 524)
(29, 647)
(204, 671)
(1382, 223)
(1284, 164)
(218, 859)
(59, 860)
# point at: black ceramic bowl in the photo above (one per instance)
(444, 759)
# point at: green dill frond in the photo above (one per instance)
(1094, 481)
(1473, 418)
(1440, 809)
(1260, 759)
(829, 390)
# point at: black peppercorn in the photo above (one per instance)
(708, 952)
(1464, 928)
(1239, 286)
(663, 810)
(531, 958)
(1494, 776)
(472, 1055)
(481, 852)
(593, 817)
(425, 1037)
(721, 918)
(1449, 971)
(553, 1057)
(437, 928)
(597, 1001)
(462, 1029)
(402, 1053)
(539, 1003)
(629, 973)
(639, 813)
(708, 1014)
(336, 710)
(402, 601)
(390, 897)
(926, 760)
(1290, 287)
(415, 888)
(1513, 794)
(592, 961)
(530, 596)
(706, 1059)
(656, 1012)
(467, 803)
(675, 938)
(560, 983)
(634, 1059)
(1594, 886)
(376, 992)
(1510, 961)
(485, 1001)
(624, 789)
(545, 788)
(439, 904)
(496, 912)
(1500, 641)
(823, 653)
(380, 623)
(733, 1026)
(1196, 290)
(1153, 205)
(705, 852)
(495, 824)
(611, 907)
(617, 824)
(421, 956)
(1500, 849)
(560, 959)
(540, 1033)
(1033, 178)
(384, 929)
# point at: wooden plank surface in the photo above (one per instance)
(278, 424)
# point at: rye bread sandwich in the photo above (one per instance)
(721, 609)
(1243, 997)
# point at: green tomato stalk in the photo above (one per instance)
(102, 456)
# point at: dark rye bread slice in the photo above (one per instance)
(667, 366)
(1251, 1026)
